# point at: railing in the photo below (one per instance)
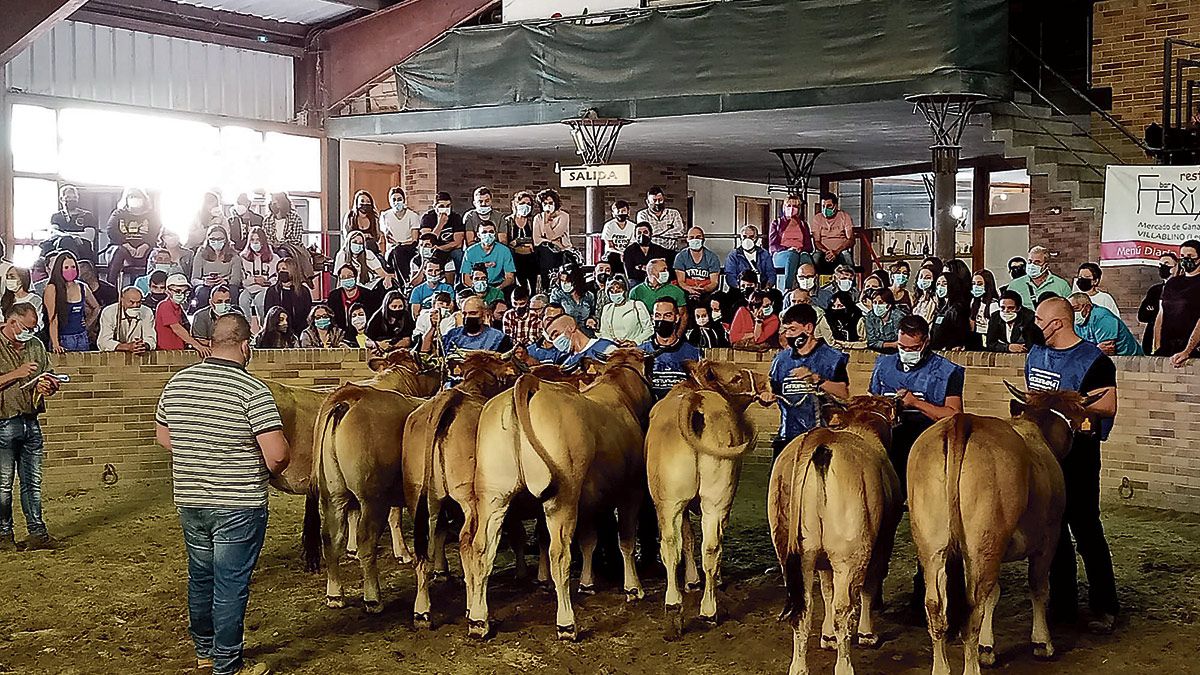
(1179, 137)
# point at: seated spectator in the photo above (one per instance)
(72, 228)
(435, 322)
(846, 322)
(883, 323)
(1011, 329)
(171, 322)
(410, 270)
(520, 323)
(367, 266)
(884, 277)
(391, 327)
(399, 225)
(755, 327)
(446, 225)
(241, 220)
(216, 264)
(871, 284)
(601, 273)
(623, 321)
(473, 333)
(900, 276)
(1016, 270)
(432, 283)
(356, 328)
(259, 268)
(1088, 281)
(349, 293)
(739, 293)
(833, 235)
(127, 325)
(495, 313)
(565, 335)
(749, 255)
(984, 303)
(720, 311)
(157, 290)
(843, 280)
(287, 292)
(160, 261)
(363, 217)
(704, 332)
(571, 292)
(667, 223)
(804, 290)
(951, 327)
(276, 332)
(790, 241)
(71, 307)
(321, 333)
(641, 252)
(697, 269)
(517, 233)
(495, 258)
(1103, 328)
(478, 286)
(133, 228)
(220, 303)
(657, 285)
(551, 234)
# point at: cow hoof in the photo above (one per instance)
(351, 555)
(710, 620)
(421, 621)
(440, 576)
(1043, 650)
(478, 629)
(987, 655)
(693, 586)
(634, 594)
(405, 559)
(567, 633)
(828, 642)
(335, 602)
(373, 606)
(587, 589)
(868, 640)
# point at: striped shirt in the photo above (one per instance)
(214, 411)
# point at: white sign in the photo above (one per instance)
(1148, 211)
(523, 10)
(601, 175)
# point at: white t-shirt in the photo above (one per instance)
(616, 237)
(1103, 299)
(398, 228)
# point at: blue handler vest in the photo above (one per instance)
(799, 406)
(597, 350)
(927, 381)
(1048, 369)
(668, 369)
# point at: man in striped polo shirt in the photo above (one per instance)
(226, 438)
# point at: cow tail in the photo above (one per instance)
(812, 452)
(958, 607)
(691, 426)
(434, 431)
(311, 537)
(523, 392)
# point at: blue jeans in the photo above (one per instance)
(21, 455)
(789, 261)
(222, 547)
(77, 342)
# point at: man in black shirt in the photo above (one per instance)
(1011, 329)
(641, 251)
(447, 226)
(1177, 327)
(71, 227)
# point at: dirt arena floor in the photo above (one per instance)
(112, 599)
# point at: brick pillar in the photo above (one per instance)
(420, 175)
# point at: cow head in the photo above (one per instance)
(403, 371)
(488, 373)
(877, 413)
(1059, 414)
(738, 384)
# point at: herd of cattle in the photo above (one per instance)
(508, 444)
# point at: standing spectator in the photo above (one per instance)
(363, 217)
(321, 333)
(23, 359)
(399, 225)
(391, 327)
(704, 332)
(202, 322)
(883, 323)
(657, 286)
(1039, 280)
(755, 327)
(900, 272)
(276, 332)
(1177, 327)
(495, 257)
(104, 292)
(639, 253)
(1088, 281)
(1102, 328)
(951, 327)
(601, 273)
(833, 235)
(16, 289)
(287, 292)
(571, 292)
(749, 255)
(476, 217)
(348, 294)
(282, 224)
(180, 258)
(127, 325)
(216, 264)
(984, 303)
(551, 234)
(925, 303)
(843, 280)
(70, 306)
(845, 320)
(624, 321)
(1017, 267)
(210, 214)
(171, 322)
(618, 234)
(447, 225)
(1168, 265)
(666, 224)
(1011, 329)
(241, 220)
(259, 268)
(790, 241)
(517, 234)
(669, 352)
(433, 283)
(133, 228)
(367, 266)
(225, 436)
(697, 270)
(521, 324)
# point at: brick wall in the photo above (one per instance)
(106, 414)
(1151, 444)
(420, 175)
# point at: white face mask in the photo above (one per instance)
(845, 284)
(443, 210)
(523, 210)
(1008, 317)
(806, 283)
(548, 208)
(12, 284)
(483, 211)
(748, 244)
(133, 312)
(241, 209)
(664, 276)
(136, 203)
(359, 322)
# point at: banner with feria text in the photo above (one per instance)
(1148, 211)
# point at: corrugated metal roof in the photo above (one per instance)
(294, 11)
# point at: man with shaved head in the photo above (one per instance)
(1099, 326)
(474, 333)
(127, 325)
(1068, 362)
(566, 337)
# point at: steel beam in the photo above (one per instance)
(27, 20)
(369, 5)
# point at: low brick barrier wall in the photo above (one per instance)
(106, 414)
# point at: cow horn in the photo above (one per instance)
(508, 354)
(1016, 393)
(830, 399)
(520, 365)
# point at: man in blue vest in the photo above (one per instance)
(927, 386)
(1067, 362)
(801, 373)
(564, 334)
(669, 350)
(474, 333)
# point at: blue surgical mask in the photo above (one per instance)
(616, 298)
(1080, 319)
(398, 205)
(25, 335)
(216, 244)
(323, 323)
(900, 279)
(255, 246)
(487, 238)
(977, 291)
(523, 210)
(1034, 270)
(483, 211)
(220, 308)
(941, 291)
(347, 283)
(179, 298)
(356, 247)
(923, 283)
(562, 343)
(879, 309)
(695, 244)
(909, 358)
(768, 310)
(479, 286)
(567, 287)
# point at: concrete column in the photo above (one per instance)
(945, 170)
(594, 200)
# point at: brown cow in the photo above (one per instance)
(833, 505)
(578, 452)
(697, 437)
(985, 490)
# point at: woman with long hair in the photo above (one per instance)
(985, 301)
(551, 234)
(276, 331)
(181, 257)
(391, 327)
(211, 213)
(845, 319)
(259, 267)
(951, 325)
(516, 232)
(133, 228)
(571, 292)
(287, 292)
(925, 302)
(321, 332)
(363, 217)
(216, 264)
(368, 268)
(71, 307)
(703, 331)
(350, 293)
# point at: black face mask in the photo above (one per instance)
(1164, 271)
(1189, 265)
(365, 208)
(622, 217)
(1084, 285)
(156, 298)
(798, 341)
(1016, 272)
(521, 311)
(601, 279)
(664, 329)
(472, 325)
(285, 278)
(658, 208)
(644, 240)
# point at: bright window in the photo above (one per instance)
(291, 163)
(34, 139)
(1008, 192)
(34, 201)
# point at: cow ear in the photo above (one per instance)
(377, 364)
(1015, 408)
(695, 370)
(1090, 399)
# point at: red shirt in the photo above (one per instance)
(165, 315)
(743, 327)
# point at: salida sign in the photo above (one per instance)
(602, 175)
